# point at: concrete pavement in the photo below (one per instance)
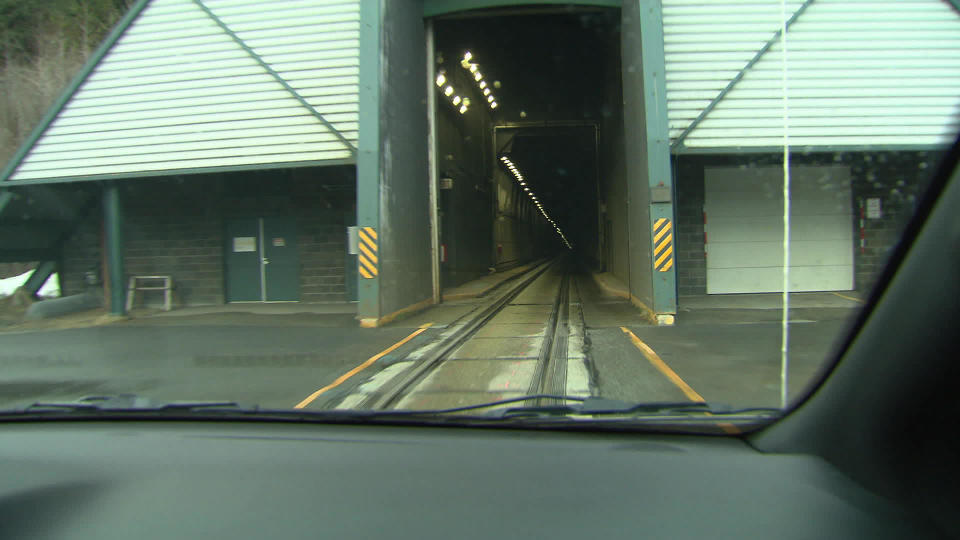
(727, 350)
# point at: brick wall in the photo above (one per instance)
(175, 226)
(897, 178)
(81, 253)
(691, 260)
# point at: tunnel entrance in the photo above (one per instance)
(529, 137)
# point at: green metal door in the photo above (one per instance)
(263, 264)
(243, 271)
(281, 260)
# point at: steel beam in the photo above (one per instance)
(113, 229)
(368, 154)
(39, 276)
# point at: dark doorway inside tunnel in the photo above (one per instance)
(540, 86)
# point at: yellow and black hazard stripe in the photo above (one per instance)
(662, 245)
(368, 252)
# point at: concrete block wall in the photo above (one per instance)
(175, 226)
(897, 178)
(691, 258)
(81, 253)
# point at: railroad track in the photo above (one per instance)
(550, 372)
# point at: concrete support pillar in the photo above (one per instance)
(113, 227)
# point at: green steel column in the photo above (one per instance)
(368, 152)
(113, 228)
(658, 156)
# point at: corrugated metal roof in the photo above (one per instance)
(859, 73)
(177, 91)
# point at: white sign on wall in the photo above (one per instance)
(873, 208)
(244, 244)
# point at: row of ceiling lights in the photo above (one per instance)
(474, 69)
(464, 102)
(533, 197)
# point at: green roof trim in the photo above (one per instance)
(176, 172)
(52, 113)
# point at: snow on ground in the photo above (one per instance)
(50, 289)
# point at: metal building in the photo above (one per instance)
(230, 146)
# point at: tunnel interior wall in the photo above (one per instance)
(613, 173)
(636, 158)
(464, 162)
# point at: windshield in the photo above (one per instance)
(633, 213)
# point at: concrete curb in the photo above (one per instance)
(614, 286)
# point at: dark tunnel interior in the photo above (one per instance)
(507, 87)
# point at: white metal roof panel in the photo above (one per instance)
(177, 92)
(859, 73)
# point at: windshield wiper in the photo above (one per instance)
(565, 408)
(130, 403)
(584, 407)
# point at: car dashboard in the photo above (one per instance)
(160, 479)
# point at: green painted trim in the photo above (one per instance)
(955, 4)
(657, 142)
(678, 142)
(64, 98)
(286, 86)
(176, 172)
(39, 276)
(688, 151)
(113, 230)
(368, 155)
(654, 69)
(432, 8)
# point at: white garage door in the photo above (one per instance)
(743, 210)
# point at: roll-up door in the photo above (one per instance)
(743, 210)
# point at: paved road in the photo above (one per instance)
(729, 356)
(272, 365)
(725, 355)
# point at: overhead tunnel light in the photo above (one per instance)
(441, 80)
(474, 69)
(533, 198)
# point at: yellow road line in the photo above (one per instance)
(845, 297)
(663, 367)
(658, 363)
(343, 378)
